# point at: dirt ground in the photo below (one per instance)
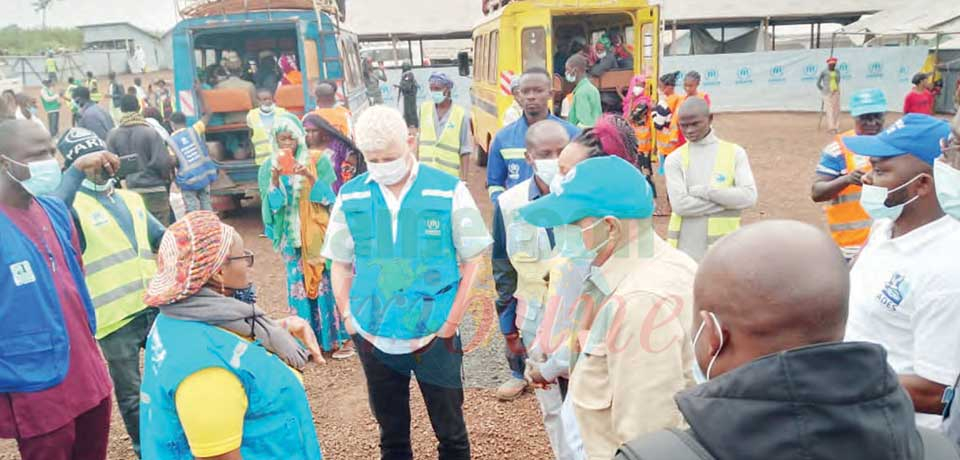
(783, 150)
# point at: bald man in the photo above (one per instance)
(55, 390)
(709, 182)
(904, 293)
(338, 116)
(531, 255)
(777, 381)
(586, 108)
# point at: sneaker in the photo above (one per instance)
(344, 353)
(511, 389)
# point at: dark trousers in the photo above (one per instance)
(53, 122)
(121, 349)
(438, 368)
(158, 204)
(84, 438)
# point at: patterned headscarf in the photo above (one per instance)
(192, 251)
(288, 63)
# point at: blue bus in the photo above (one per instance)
(323, 50)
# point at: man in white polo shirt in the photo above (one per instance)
(903, 289)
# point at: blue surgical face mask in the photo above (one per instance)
(247, 295)
(698, 375)
(873, 200)
(572, 78)
(99, 188)
(569, 240)
(44, 178)
(438, 96)
(946, 179)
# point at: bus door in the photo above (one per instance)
(646, 45)
(534, 29)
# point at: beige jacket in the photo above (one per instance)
(638, 352)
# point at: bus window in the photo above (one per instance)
(648, 51)
(333, 69)
(481, 57)
(476, 60)
(492, 53)
(354, 57)
(350, 70)
(534, 48)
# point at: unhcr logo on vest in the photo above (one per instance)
(809, 72)
(744, 76)
(711, 77)
(875, 70)
(433, 227)
(777, 74)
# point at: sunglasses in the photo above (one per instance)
(248, 256)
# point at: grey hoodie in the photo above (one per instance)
(830, 401)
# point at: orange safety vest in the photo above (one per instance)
(644, 138)
(849, 223)
(668, 138)
(339, 117)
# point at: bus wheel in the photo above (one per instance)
(481, 155)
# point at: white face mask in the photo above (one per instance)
(391, 172)
(698, 375)
(267, 108)
(547, 170)
(637, 91)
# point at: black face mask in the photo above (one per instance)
(247, 295)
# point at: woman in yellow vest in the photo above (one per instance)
(295, 207)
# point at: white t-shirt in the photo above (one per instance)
(905, 295)
(470, 238)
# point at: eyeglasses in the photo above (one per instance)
(247, 255)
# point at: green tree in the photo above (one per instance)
(41, 6)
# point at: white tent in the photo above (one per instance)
(739, 11)
(911, 17)
(384, 19)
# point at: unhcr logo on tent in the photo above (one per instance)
(711, 77)
(744, 76)
(777, 74)
(809, 72)
(875, 70)
(903, 74)
(844, 70)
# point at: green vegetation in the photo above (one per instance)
(30, 42)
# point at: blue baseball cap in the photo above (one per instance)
(914, 134)
(866, 101)
(597, 187)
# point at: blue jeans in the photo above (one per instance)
(196, 200)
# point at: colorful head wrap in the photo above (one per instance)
(192, 251)
(632, 102)
(441, 79)
(288, 63)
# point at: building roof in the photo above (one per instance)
(114, 24)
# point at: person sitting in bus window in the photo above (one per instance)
(291, 74)
(234, 81)
(606, 61)
(267, 74)
(621, 51)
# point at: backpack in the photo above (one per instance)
(674, 444)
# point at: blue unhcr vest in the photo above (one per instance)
(278, 423)
(403, 289)
(195, 169)
(34, 345)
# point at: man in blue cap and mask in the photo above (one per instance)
(445, 139)
(903, 289)
(839, 174)
(636, 306)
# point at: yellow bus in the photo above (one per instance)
(526, 34)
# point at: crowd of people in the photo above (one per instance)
(711, 341)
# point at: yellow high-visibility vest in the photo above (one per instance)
(443, 151)
(724, 169)
(261, 139)
(116, 274)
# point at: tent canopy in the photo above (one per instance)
(377, 20)
(911, 17)
(686, 12)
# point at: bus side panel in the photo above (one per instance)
(486, 111)
(184, 75)
(647, 51)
